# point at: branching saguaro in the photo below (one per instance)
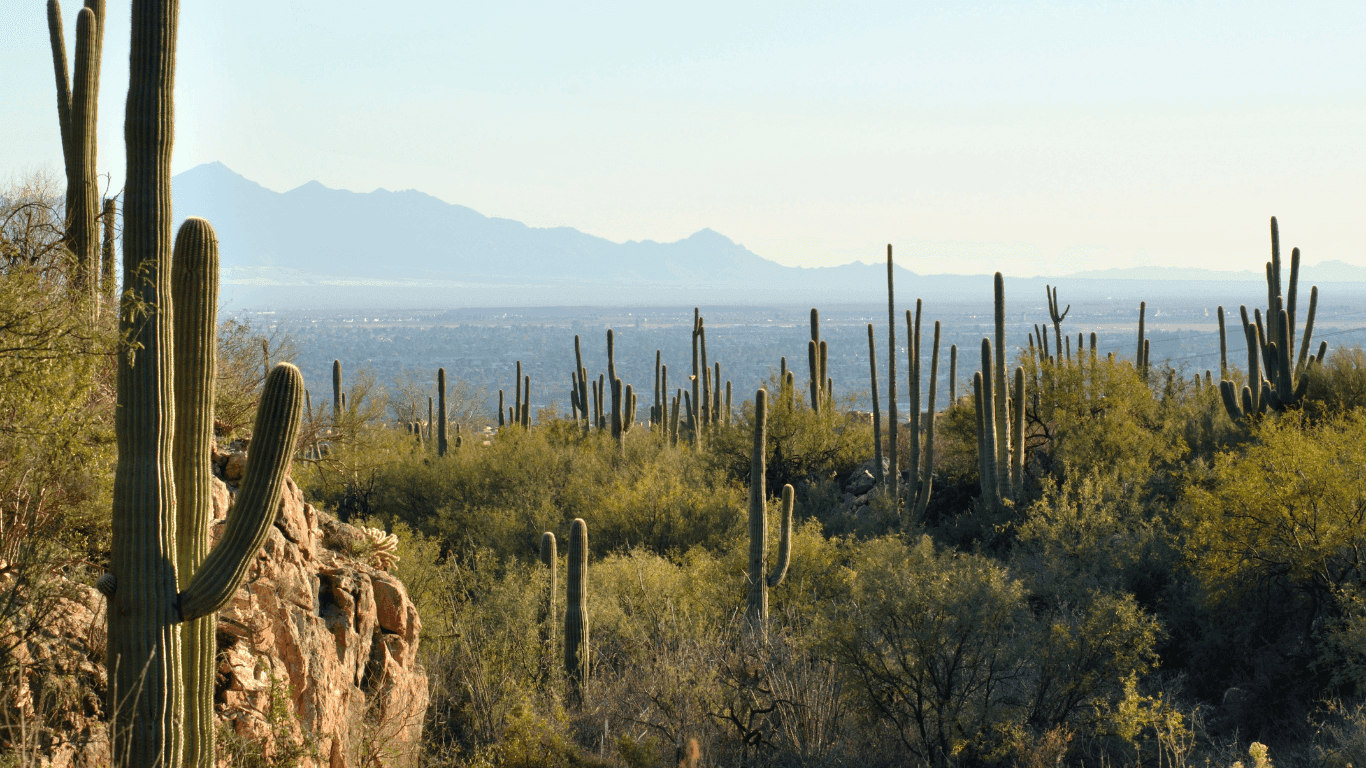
(760, 579)
(922, 460)
(1275, 373)
(151, 697)
(77, 114)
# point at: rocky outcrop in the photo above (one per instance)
(317, 655)
(335, 636)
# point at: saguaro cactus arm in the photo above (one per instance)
(249, 520)
(784, 539)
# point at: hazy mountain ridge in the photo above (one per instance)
(313, 246)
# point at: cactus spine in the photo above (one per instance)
(760, 581)
(77, 114)
(576, 648)
(440, 411)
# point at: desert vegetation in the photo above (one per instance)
(1083, 559)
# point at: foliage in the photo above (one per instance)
(244, 357)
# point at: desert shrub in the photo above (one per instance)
(1274, 532)
(244, 354)
(1339, 385)
(803, 446)
(932, 641)
(505, 494)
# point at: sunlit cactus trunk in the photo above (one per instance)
(892, 417)
(550, 559)
(440, 411)
(77, 114)
(877, 410)
(148, 682)
(760, 579)
(576, 647)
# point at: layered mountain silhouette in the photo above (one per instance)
(316, 247)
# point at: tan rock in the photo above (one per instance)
(332, 638)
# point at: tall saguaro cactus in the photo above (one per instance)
(576, 608)
(1002, 399)
(813, 354)
(336, 393)
(77, 108)
(877, 410)
(1271, 344)
(551, 560)
(147, 685)
(921, 477)
(440, 411)
(760, 579)
(892, 417)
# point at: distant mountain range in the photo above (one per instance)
(319, 248)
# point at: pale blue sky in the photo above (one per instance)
(1035, 138)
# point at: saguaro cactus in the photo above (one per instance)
(1002, 399)
(813, 354)
(440, 411)
(921, 477)
(892, 418)
(108, 286)
(336, 390)
(1056, 316)
(146, 680)
(576, 649)
(1272, 345)
(77, 114)
(877, 410)
(550, 559)
(1141, 355)
(760, 579)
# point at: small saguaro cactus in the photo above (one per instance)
(1141, 355)
(502, 412)
(576, 648)
(108, 287)
(440, 411)
(550, 559)
(877, 409)
(813, 354)
(77, 108)
(760, 579)
(526, 402)
(1056, 316)
(336, 393)
(921, 477)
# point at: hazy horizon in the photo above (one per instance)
(1042, 139)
